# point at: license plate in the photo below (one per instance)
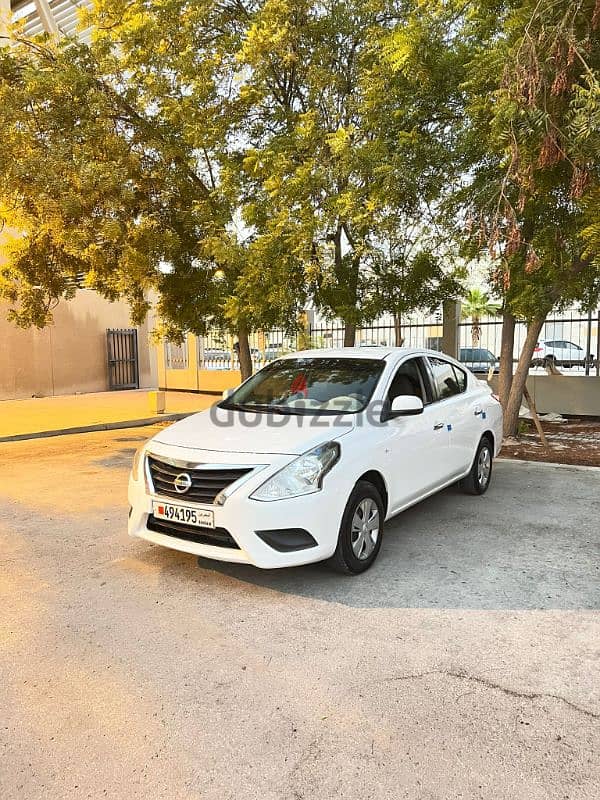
(201, 517)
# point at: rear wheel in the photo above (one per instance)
(478, 479)
(359, 539)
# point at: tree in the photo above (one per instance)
(408, 284)
(118, 161)
(531, 157)
(475, 305)
(349, 131)
(229, 155)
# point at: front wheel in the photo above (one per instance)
(478, 479)
(359, 539)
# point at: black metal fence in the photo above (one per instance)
(380, 335)
(122, 358)
(576, 337)
(219, 350)
(573, 340)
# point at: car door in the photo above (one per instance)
(415, 447)
(461, 412)
(573, 353)
(554, 350)
(557, 350)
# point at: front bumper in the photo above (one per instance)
(251, 523)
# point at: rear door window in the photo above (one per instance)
(461, 378)
(448, 380)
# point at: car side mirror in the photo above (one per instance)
(227, 393)
(405, 405)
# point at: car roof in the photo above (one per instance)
(377, 352)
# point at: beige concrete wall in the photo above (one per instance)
(70, 355)
(564, 394)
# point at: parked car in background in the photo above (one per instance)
(221, 358)
(306, 459)
(560, 352)
(478, 359)
(273, 352)
(217, 355)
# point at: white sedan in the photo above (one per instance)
(307, 458)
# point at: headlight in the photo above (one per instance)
(137, 460)
(303, 476)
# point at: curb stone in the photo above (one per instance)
(101, 426)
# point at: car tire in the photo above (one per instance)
(359, 542)
(480, 474)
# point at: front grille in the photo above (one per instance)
(206, 483)
(217, 537)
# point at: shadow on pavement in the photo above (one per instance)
(524, 545)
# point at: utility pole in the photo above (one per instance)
(450, 330)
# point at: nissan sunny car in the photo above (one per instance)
(307, 458)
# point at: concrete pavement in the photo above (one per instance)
(100, 410)
(464, 664)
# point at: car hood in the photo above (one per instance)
(267, 434)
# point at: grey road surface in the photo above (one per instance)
(465, 664)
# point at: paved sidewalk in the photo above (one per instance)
(97, 411)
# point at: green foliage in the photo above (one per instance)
(343, 136)
(232, 156)
(476, 304)
(118, 161)
(530, 144)
(418, 283)
(236, 157)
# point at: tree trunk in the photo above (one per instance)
(475, 334)
(507, 348)
(349, 334)
(515, 398)
(244, 353)
(399, 339)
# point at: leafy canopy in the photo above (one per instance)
(530, 148)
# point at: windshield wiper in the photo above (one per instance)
(263, 408)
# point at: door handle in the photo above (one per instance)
(478, 412)
(438, 426)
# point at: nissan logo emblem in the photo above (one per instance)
(182, 483)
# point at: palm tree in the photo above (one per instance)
(477, 304)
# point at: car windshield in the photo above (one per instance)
(309, 386)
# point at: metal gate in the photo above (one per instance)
(122, 350)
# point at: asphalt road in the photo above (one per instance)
(465, 664)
